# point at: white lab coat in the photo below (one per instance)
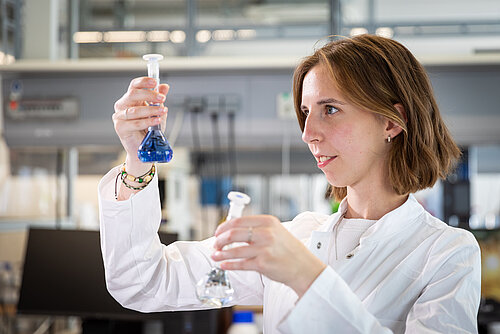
(411, 273)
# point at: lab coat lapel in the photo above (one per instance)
(319, 244)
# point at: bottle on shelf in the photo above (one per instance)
(243, 323)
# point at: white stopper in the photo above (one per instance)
(237, 204)
(153, 66)
(152, 57)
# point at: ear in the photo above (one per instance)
(393, 129)
(399, 107)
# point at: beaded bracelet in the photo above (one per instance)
(147, 177)
(132, 187)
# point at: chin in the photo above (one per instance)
(335, 182)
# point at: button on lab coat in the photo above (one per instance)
(410, 273)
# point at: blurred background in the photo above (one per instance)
(231, 124)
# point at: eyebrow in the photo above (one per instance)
(327, 101)
(330, 100)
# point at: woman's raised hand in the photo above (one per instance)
(133, 116)
(272, 250)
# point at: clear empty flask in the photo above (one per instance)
(154, 146)
(214, 289)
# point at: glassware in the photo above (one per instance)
(214, 289)
(154, 146)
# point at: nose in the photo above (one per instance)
(311, 133)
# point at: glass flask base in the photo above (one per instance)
(155, 148)
(155, 156)
(214, 289)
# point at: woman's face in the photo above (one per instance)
(348, 142)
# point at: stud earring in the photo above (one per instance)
(389, 138)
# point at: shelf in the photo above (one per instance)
(201, 64)
(174, 64)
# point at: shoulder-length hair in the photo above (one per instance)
(375, 73)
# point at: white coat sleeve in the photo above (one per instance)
(144, 275)
(448, 304)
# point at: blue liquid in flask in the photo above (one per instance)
(154, 146)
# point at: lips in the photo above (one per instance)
(324, 160)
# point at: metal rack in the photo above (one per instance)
(10, 20)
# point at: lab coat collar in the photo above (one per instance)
(386, 227)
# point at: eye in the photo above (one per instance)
(330, 110)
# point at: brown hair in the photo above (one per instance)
(375, 73)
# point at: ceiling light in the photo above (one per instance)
(223, 35)
(203, 36)
(124, 36)
(177, 36)
(358, 31)
(246, 33)
(87, 37)
(158, 36)
(9, 59)
(385, 32)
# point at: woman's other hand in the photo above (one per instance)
(272, 251)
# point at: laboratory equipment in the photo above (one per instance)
(154, 146)
(214, 289)
(243, 323)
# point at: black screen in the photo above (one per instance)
(64, 275)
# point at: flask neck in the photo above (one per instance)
(153, 70)
(235, 210)
(154, 128)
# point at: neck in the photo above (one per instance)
(373, 205)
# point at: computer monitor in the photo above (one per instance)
(489, 241)
(489, 310)
(64, 275)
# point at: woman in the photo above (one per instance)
(382, 264)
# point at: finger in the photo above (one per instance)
(142, 83)
(139, 112)
(235, 235)
(136, 125)
(242, 252)
(245, 264)
(137, 96)
(163, 121)
(135, 93)
(247, 221)
(163, 89)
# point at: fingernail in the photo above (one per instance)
(164, 109)
(217, 254)
(160, 97)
